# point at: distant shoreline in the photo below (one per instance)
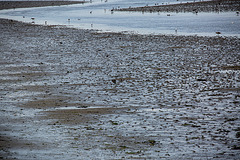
(204, 6)
(29, 4)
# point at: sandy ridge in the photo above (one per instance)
(204, 6)
(28, 4)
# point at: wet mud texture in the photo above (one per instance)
(23, 4)
(77, 94)
(204, 6)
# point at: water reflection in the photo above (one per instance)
(100, 16)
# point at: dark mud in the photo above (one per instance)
(202, 6)
(77, 94)
(23, 4)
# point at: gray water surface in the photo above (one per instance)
(98, 16)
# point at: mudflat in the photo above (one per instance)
(198, 6)
(27, 4)
(78, 94)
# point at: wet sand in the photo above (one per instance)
(203, 6)
(78, 94)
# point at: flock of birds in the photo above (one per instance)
(91, 12)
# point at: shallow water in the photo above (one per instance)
(97, 15)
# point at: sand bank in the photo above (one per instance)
(203, 6)
(28, 4)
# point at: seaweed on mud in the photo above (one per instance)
(238, 135)
(231, 67)
(114, 122)
(152, 142)
(132, 152)
(236, 147)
